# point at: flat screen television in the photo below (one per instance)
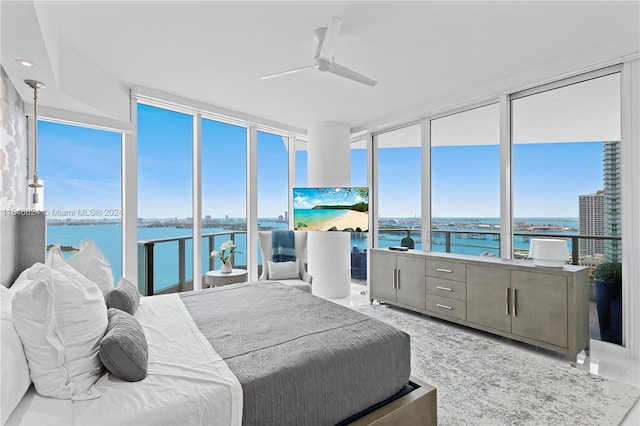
(331, 209)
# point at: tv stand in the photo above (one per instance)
(545, 307)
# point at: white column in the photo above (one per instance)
(291, 150)
(630, 156)
(130, 199)
(197, 201)
(425, 143)
(252, 202)
(329, 164)
(506, 212)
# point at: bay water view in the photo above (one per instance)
(108, 238)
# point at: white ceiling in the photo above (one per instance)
(426, 55)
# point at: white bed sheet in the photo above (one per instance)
(187, 382)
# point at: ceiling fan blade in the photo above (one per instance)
(345, 72)
(264, 77)
(330, 39)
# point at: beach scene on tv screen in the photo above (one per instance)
(331, 209)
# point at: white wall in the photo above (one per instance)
(13, 154)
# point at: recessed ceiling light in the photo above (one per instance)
(25, 63)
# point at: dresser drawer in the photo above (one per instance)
(228, 280)
(447, 288)
(215, 278)
(447, 270)
(445, 306)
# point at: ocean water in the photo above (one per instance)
(108, 239)
(462, 245)
(312, 217)
(166, 269)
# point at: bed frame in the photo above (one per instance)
(418, 407)
(22, 243)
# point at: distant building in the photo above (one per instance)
(612, 225)
(592, 218)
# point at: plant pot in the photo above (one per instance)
(226, 268)
(609, 305)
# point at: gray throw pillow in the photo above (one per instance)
(124, 297)
(123, 349)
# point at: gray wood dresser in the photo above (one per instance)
(545, 307)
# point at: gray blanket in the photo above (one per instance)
(301, 360)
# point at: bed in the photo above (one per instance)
(253, 353)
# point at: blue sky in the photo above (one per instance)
(81, 167)
(81, 170)
(547, 179)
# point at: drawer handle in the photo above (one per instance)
(507, 304)
(444, 270)
(443, 288)
(395, 278)
(443, 306)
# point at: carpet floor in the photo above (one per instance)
(481, 381)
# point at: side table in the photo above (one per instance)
(217, 278)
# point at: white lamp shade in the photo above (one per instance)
(548, 252)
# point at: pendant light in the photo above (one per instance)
(35, 85)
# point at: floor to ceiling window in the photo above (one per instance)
(399, 186)
(165, 204)
(224, 189)
(273, 183)
(465, 182)
(82, 173)
(566, 177)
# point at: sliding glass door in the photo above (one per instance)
(566, 179)
(224, 191)
(165, 203)
(273, 184)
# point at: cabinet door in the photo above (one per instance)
(540, 307)
(487, 296)
(382, 276)
(412, 281)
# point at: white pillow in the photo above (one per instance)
(23, 280)
(15, 372)
(55, 260)
(93, 264)
(60, 323)
(284, 270)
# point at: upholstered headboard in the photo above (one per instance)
(22, 243)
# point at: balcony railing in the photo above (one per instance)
(146, 260)
(495, 236)
(146, 250)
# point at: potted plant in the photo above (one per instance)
(226, 251)
(607, 282)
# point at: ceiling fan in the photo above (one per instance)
(323, 59)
